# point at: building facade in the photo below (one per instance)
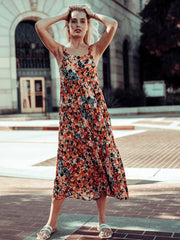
(29, 74)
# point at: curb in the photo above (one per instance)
(128, 127)
(169, 109)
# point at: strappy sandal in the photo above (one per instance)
(48, 229)
(101, 227)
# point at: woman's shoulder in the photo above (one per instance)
(92, 45)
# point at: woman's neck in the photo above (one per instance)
(76, 44)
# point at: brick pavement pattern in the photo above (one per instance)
(91, 233)
(25, 205)
(150, 149)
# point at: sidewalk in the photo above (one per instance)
(150, 154)
(152, 212)
(122, 111)
(119, 122)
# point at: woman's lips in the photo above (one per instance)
(78, 30)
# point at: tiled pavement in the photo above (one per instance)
(90, 233)
(151, 213)
(153, 148)
(118, 123)
(154, 206)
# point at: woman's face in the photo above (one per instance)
(78, 24)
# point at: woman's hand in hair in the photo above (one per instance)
(66, 14)
(88, 10)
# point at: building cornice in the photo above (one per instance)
(127, 9)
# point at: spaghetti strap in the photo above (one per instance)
(64, 49)
(90, 49)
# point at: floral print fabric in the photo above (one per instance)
(88, 162)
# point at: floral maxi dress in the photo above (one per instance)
(88, 162)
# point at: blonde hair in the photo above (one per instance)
(92, 32)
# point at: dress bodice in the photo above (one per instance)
(78, 67)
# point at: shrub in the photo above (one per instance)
(124, 98)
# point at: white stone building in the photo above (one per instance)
(29, 75)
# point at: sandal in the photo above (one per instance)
(101, 227)
(44, 234)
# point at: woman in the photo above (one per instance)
(89, 165)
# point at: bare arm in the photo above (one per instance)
(111, 26)
(41, 29)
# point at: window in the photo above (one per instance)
(30, 51)
(126, 63)
(106, 69)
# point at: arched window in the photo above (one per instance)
(126, 63)
(126, 3)
(30, 51)
(106, 69)
(33, 70)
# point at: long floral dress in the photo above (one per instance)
(88, 162)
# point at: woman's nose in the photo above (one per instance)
(78, 23)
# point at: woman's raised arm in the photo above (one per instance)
(111, 26)
(41, 29)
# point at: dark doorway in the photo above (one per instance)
(32, 61)
(106, 69)
(126, 64)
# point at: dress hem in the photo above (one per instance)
(90, 199)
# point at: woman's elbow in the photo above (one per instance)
(115, 23)
(36, 26)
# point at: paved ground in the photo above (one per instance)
(150, 155)
(90, 233)
(149, 149)
(153, 206)
(140, 148)
(141, 121)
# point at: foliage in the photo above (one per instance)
(160, 41)
(124, 98)
(173, 99)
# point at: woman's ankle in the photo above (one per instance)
(101, 221)
(52, 224)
